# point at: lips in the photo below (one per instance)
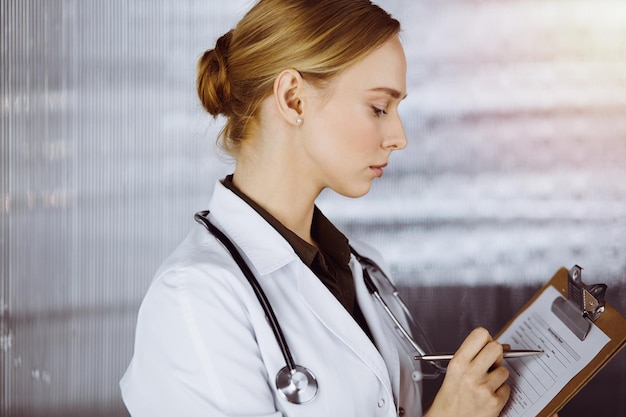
(378, 169)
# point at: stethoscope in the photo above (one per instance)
(295, 383)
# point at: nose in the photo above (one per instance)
(395, 138)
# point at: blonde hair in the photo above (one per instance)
(318, 38)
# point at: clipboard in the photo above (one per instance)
(588, 309)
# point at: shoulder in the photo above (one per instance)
(196, 299)
(199, 270)
(196, 312)
(196, 283)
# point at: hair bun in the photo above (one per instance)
(212, 82)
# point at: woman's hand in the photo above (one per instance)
(474, 384)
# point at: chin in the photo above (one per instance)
(354, 191)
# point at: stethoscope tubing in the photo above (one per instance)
(258, 291)
(374, 291)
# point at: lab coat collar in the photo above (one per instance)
(266, 250)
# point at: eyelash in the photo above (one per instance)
(378, 112)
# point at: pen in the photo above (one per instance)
(506, 354)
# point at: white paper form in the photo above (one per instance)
(536, 380)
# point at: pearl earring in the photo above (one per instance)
(298, 121)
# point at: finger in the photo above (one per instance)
(503, 393)
(490, 356)
(473, 344)
(497, 378)
(505, 348)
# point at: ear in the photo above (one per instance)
(288, 88)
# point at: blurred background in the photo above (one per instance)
(516, 118)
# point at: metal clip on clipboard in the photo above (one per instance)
(584, 303)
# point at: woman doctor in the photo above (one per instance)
(310, 90)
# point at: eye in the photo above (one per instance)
(378, 112)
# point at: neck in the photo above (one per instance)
(280, 189)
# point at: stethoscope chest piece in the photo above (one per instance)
(297, 385)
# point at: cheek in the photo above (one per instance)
(354, 130)
(346, 133)
(362, 137)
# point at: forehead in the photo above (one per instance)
(382, 71)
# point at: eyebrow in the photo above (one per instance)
(391, 91)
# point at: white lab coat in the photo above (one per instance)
(204, 348)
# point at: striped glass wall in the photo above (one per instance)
(104, 158)
(516, 118)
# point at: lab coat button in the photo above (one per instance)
(381, 403)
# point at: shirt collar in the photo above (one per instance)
(330, 239)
